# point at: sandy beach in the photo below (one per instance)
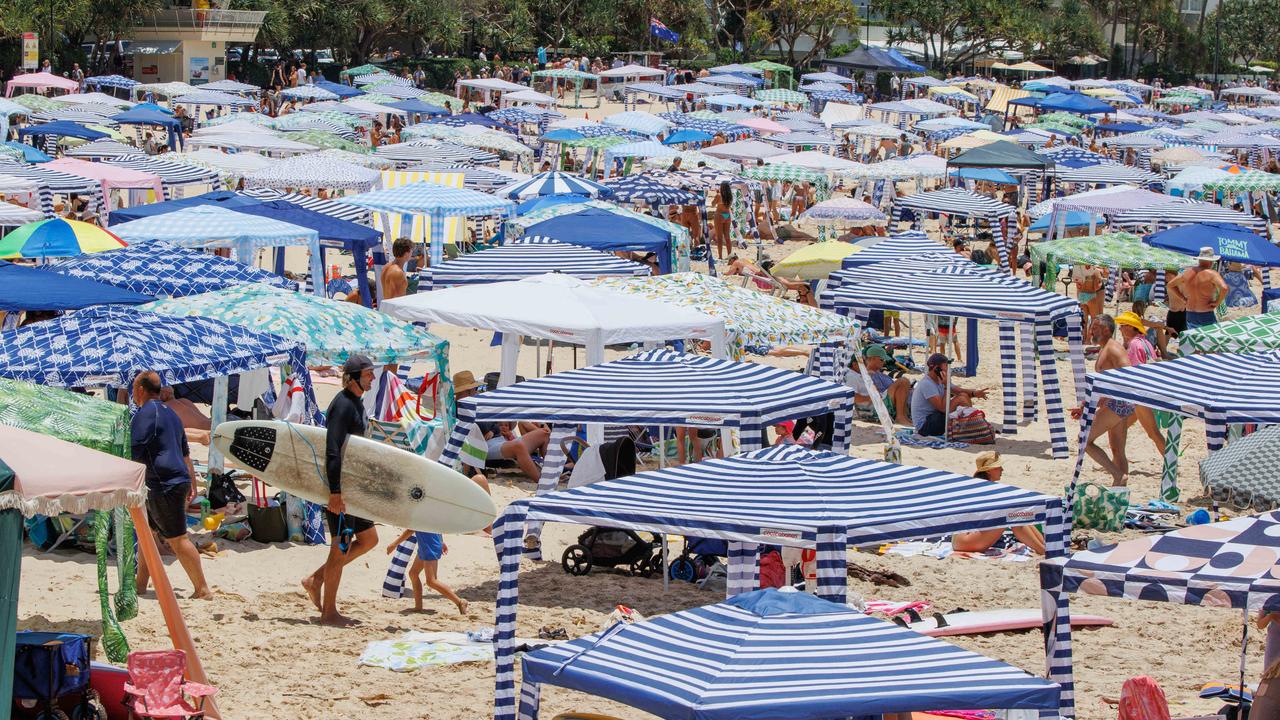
(261, 646)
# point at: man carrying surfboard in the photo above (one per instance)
(352, 536)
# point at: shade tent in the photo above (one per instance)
(1235, 243)
(314, 171)
(1002, 154)
(331, 330)
(99, 149)
(940, 285)
(1251, 333)
(60, 128)
(1075, 103)
(1106, 174)
(898, 246)
(40, 80)
(1115, 250)
(172, 174)
(782, 495)
(560, 308)
(330, 208)
(339, 89)
(159, 269)
(744, 150)
(865, 57)
(696, 664)
(957, 202)
(27, 288)
(111, 177)
(602, 229)
(1220, 388)
(527, 259)
(16, 215)
(1184, 211)
(437, 202)
(650, 191)
(153, 117)
(414, 106)
(52, 182)
(230, 166)
(214, 227)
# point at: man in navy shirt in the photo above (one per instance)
(160, 443)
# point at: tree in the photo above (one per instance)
(1069, 32)
(1247, 33)
(954, 32)
(817, 20)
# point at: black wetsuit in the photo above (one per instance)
(345, 417)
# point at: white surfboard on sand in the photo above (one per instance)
(979, 622)
(379, 482)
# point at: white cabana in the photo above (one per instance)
(744, 150)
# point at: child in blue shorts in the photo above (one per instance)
(431, 548)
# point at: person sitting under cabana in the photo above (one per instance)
(895, 393)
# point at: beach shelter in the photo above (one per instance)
(1001, 154)
(1078, 103)
(339, 89)
(604, 226)
(159, 269)
(1106, 173)
(99, 149)
(1185, 211)
(1220, 388)
(843, 211)
(40, 81)
(753, 321)
(898, 246)
(1229, 564)
(816, 261)
(173, 175)
(646, 189)
(57, 238)
(744, 150)
(1251, 333)
(957, 202)
(12, 216)
(560, 308)
(155, 118)
(1109, 250)
(1235, 243)
(51, 183)
(694, 664)
(553, 183)
(28, 153)
(28, 288)
(60, 128)
(209, 228)
(527, 258)
(231, 167)
(74, 417)
(941, 285)
(781, 495)
(434, 201)
(111, 177)
(314, 172)
(81, 480)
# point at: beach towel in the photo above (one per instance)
(909, 437)
(393, 583)
(475, 450)
(415, 650)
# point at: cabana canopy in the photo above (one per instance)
(313, 171)
(435, 201)
(159, 269)
(1109, 250)
(331, 330)
(1001, 154)
(895, 247)
(744, 150)
(214, 227)
(40, 80)
(524, 259)
(692, 664)
(111, 177)
(74, 417)
(784, 494)
(553, 183)
(607, 227)
(172, 174)
(964, 203)
(27, 288)
(1250, 333)
(61, 128)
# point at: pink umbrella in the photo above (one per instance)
(764, 125)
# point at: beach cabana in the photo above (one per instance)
(231, 167)
(605, 226)
(1108, 173)
(29, 288)
(782, 495)
(211, 228)
(1251, 333)
(553, 183)
(559, 308)
(744, 151)
(153, 118)
(956, 202)
(1185, 211)
(898, 246)
(40, 81)
(754, 322)
(940, 285)
(1220, 388)
(645, 189)
(173, 175)
(111, 177)
(525, 258)
(692, 664)
(314, 172)
(12, 216)
(434, 201)
(159, 269)
(1115, 250)
(1228, 564)
(559, 76)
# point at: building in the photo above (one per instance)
(189, 44)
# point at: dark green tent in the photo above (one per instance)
(1001, 154)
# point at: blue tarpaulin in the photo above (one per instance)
(27, 288)
(1075, 103)
(342, 91)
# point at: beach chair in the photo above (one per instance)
(157, 688)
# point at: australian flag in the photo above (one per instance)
(662, 32)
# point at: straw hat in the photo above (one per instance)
(988, 460)
(1207, 255)
(464, 380)
(1131, 319)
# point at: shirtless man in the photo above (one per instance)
(1201, 288)
(394, 281)
(1113, 415)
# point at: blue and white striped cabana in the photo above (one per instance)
(524, 258)
(1185, 211)
(553, 183)
(1220, 388)
(898, 246)
(172, 175)
(957, 202)
(437, 202)
(781, 495)
(772, 653)
(942, 285)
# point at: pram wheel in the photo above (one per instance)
(576, 560)
(682, 569)
(52, 714)
(641, 568)
(90, 708)
(655, 564)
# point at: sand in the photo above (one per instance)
(261, 646)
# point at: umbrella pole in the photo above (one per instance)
(1244, 650)
(946, 401)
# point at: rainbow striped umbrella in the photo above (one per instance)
(57, 238)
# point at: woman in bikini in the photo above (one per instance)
(721, 225)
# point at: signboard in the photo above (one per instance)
(31, 51)
(199, 70)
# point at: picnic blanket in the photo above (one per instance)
(415, 650)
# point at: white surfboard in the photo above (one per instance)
(980, 622)
(379, 482)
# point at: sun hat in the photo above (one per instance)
(1131, 319)
(464, 380)
(988, 460)
(1207, 253)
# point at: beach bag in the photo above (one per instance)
(1142, 699)
(1096, 507)
(223, 491)
(772, 573)
(972, 428)
(266, 521)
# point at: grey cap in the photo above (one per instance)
(356, 364)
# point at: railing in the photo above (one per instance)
(210, 19)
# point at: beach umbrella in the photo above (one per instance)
(1235, 243)
(843, 211)
(1245, 472)
(641, 187)
(57, 237)
(685, 135)
(817, 261)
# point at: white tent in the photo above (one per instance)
(744, 150)
(560, 308)
(815, 160)
(631, 71)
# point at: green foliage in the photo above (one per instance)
(1248, 30)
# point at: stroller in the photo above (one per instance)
(613, 547)
(51, 674)
(699, 555)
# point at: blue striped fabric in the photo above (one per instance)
(527, 259)
(773, 654)
(661, 387)
(435, 201)
(963, 203)
(553, 183)
(331, 208)
(895, 247)
(1185, 211)
(171, 174)
(56, 183)
(1109, 173)
(420, 151)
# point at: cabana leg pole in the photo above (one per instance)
(218, 415)
(169, 605)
